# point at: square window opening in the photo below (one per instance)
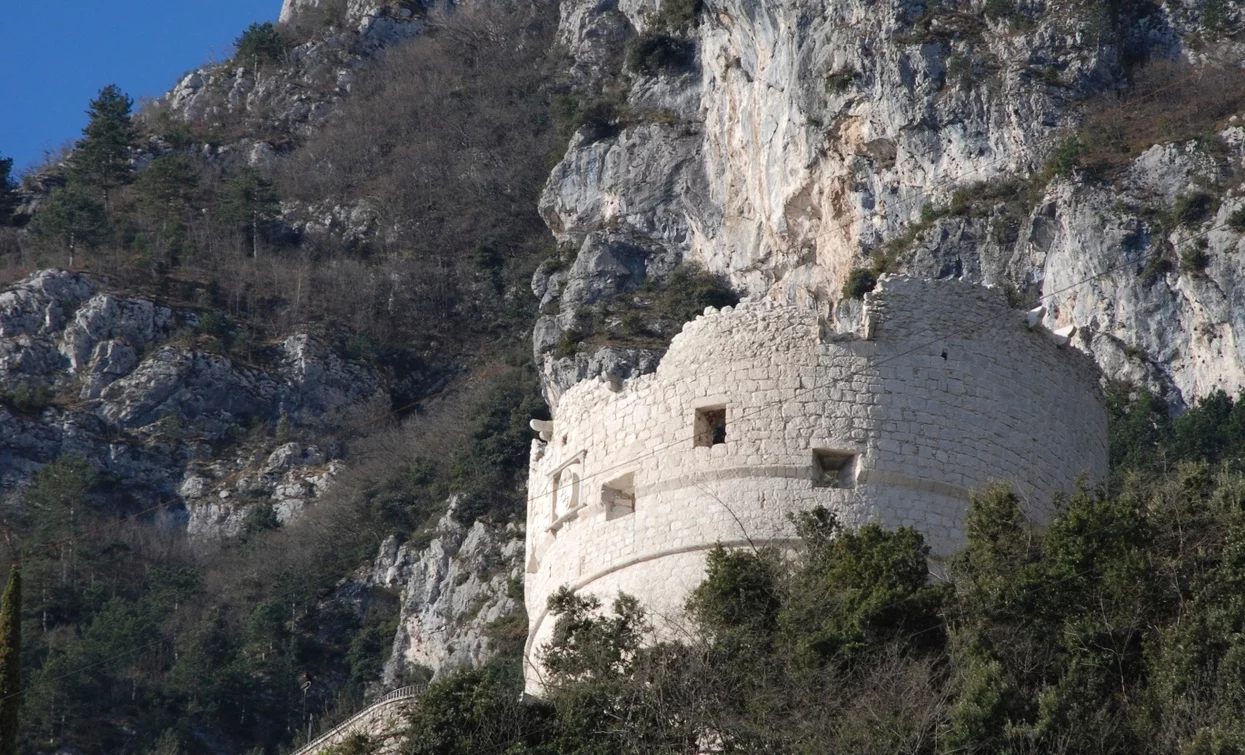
(618, 497)
(710, 426)
(834, 469)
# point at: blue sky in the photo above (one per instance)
(55, 56)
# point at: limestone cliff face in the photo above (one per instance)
(799, 138)
(454, 589)
(149, 393)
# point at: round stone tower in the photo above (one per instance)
(759, 411)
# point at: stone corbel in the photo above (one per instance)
(543, 427)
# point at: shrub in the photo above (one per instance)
(690, 289)
(1000, 8)
(676, 14)
(600, 119)
(1192, 209)
(655, 54)
(259, 519)
(568, 345)
(1215, 15)
(859, 282)
(361, 347)
(1236, 221)
(260, 43)
(840, 81)
(1065, 159)
(28, 398)
(214, 324)
(1194, 261)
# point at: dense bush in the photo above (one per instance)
(859, 282)
(260, 43)
(677, 15)
(1192, 209)
(689, 290)
(1236, 221)
(656, 54)
(28, 398)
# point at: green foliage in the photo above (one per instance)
(690, 290)
(586, 645)
(861, 590)
(8, 191)
(1066, 158)
(568, 344)
(101, 159)
(740, 593)
(215, 324)
(261, 43)
(72, 217)
(246, 201)
(28, 398)
(1236, 221)
(259, 519)
(488, 474)
(676, 15)
(478, 711)
(1215, 16)
(997, 9)
(654, 54)
(355, 744)
(167, 186)
(601, 117)
(840, 81)
(1192, 209)
(1194, 261)
(859, 282)
(1144, 438)
(10, 661)
(58, 492)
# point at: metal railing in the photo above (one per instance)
(322, 741)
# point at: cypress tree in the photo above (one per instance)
(101, 157)
(10, 661)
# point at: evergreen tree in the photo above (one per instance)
(261, 43)
(246, 202)
(101, 158)
(73, 218)
(8, 198)
(10, 661)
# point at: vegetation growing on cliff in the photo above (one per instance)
(1114, 630)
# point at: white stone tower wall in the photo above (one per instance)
(942, 390)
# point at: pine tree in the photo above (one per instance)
(10, 661)
(101, 158)
(8, 198)
(246, 202)
(72, 217)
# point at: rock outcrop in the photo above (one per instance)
(148, 392)
(454, 589)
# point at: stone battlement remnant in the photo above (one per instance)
(758, 411)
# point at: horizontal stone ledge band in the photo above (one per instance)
(867, 477)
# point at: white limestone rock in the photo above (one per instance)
(452, 590)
